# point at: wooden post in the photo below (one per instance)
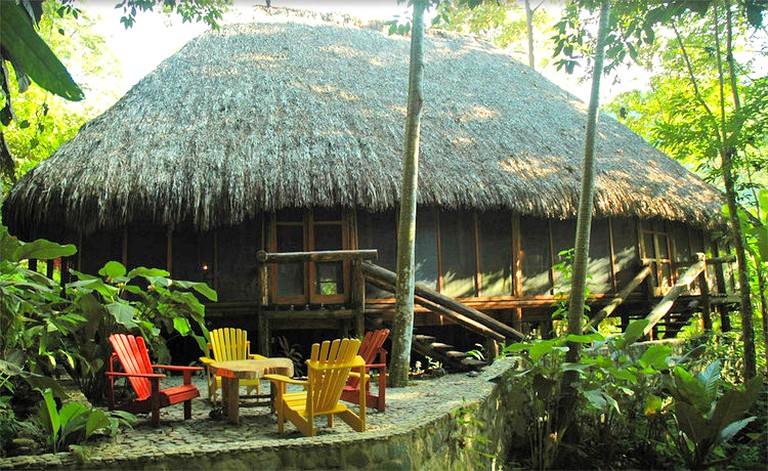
(261, 322)
(358, 298)
(706, 304)
(725, 321)
(667, 301)
(517, 271)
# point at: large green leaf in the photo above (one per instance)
(123, 314)
(690, 390)
(656, 356)
(734, 404)
(691, 422)
(21, 41)
(181, 324)
(633, 332)
(12, 249)
(112, 270)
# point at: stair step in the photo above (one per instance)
(424, 338)
(440, 346)
(456, 354)
(474, 362)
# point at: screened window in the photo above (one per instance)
(379, 231)
(535, 260)
(495, 253)
(458, 248)
(601, 277)
(238, 275)
(625, 250)
(426, 247)
(318, 230)
(193, 256)
(289, 277)
(655, 247)
(147, 246)
(327, 234)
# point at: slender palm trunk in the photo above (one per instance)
(402, 331)
(577, 297)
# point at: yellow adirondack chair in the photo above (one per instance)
(327, 371)
(229, 344)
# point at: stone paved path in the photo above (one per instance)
(415, 404)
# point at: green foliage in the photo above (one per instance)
(43, 121)
(633, 403)
(208, 11)
(143, 300)
(45, 328)
(75, 423)
(30, 55)
(704, 419)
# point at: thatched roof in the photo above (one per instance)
(269, 115)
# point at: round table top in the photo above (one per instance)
(252, 369)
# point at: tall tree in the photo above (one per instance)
(577, 296)
(406, 237)
(636, 27)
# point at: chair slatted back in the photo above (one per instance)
(229, 344)
(134, 359)
(328, 369)
(372, 342)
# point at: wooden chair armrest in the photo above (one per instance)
(206, 360)
(357, 375)
(285, 379)
(178, 368)
(375, 365)
(135, 375)
(256, 356)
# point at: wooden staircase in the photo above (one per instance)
(465, 316)
(451, 358)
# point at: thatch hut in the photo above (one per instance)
(287, 135)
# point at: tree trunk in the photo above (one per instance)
(727, 154)
(529, 29)
(584, 222)
(761, 288)
(402, 331)
(577, 296)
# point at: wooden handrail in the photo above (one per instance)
(385, 279)
(615, 302)
(317, 256)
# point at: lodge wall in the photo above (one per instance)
(494, 261)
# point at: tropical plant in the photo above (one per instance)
(705, 420)
(75, 423)
(33, 325)
(143, 300)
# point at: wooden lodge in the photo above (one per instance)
(265, 160)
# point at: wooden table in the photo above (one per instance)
(233, 371)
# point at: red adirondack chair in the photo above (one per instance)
(371, 346)
(131, 352)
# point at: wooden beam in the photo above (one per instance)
(318, 256)
(667, 301)
(373, 272)
(723, 259)
(616, 302)
(457, 318)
